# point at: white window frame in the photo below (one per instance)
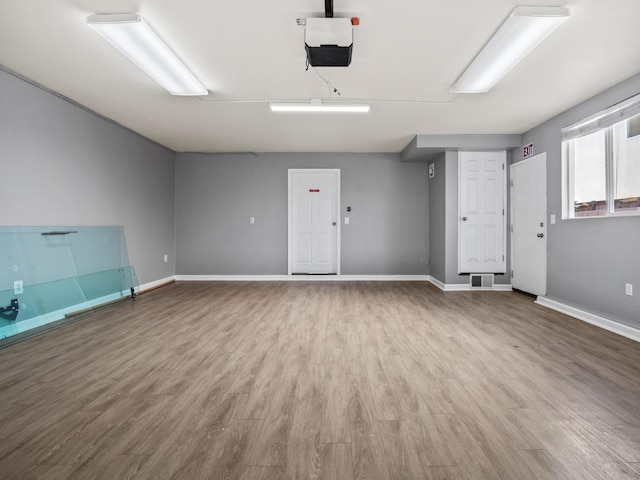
(601, 121)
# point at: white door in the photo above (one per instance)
(313, 221)
(528, 225)
(482, 227)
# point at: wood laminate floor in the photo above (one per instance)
(377, 380)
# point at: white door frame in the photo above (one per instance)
(291, 171)
(537, 157)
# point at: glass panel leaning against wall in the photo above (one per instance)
(51, 275)
(601, 163)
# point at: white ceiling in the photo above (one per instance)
(406, 55)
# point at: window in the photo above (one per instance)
(601, 163)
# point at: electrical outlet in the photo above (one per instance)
(628, 289)
(346, 220)
(18, 287)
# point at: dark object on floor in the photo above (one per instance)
(10, 312)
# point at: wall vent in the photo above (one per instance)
(481, 280)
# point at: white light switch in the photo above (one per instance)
(553, 219)
(166, 258)
(252, 220)
(346, 220)
(18, 287)
(628, 289)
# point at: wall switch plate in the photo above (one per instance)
(18, 287)
(628, 289)
(346, 220)
(252, 220)
(553, 219)
(166, 258)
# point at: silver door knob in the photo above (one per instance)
(540, 235)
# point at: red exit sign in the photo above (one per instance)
(527, 150)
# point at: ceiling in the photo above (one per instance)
(406, 56)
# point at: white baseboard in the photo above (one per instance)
(497, 288)
(434, 281)
(156, 284)
(592, 318)
(465, 287)
(302, 278)
(456, 287)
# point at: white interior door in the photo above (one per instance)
(528, 225)
(313, 221)
(482, 226)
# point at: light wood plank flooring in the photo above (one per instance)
(376, 380)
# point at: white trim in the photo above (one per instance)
(434, 281)
(464, 287)
(155, 284)
(592, 318)
(303, 278)
(604, 119)
(497, 288)
(457, 287)
(290, 213)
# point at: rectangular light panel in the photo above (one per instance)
(520, 33)
(129, 33)
(320, 107)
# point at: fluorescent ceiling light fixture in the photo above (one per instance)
(135, 39)
(318, 106)
(520, 33)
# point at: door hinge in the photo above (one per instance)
(503, 166)
(503, 258)
(511, 228)
(511, 182)
(511, 273)
(503, 212)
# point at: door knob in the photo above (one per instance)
(333, 223)
(540, 235)
(464, 219)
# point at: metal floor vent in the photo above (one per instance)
(481, 280)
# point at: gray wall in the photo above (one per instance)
(589, 260)
(437, 217)
(217, 194)
(62, 165)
